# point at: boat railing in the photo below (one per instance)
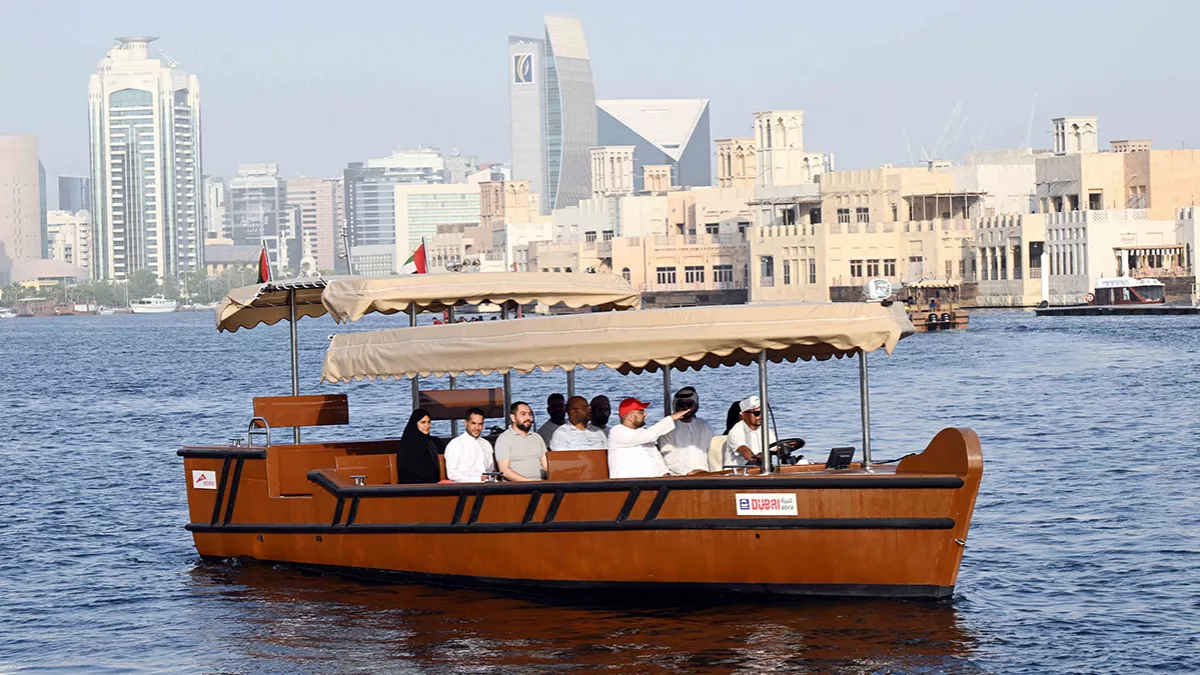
(261, 428)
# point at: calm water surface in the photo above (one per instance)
(1084, 554)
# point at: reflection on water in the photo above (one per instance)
(1083, 557)
(279, 613)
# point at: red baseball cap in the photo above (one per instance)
(629, 405)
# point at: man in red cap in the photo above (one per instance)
(632, 452)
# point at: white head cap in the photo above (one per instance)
(750, 403)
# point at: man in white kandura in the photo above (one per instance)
(685, 448)
(744, 444)
(468, 456)
(632, 452)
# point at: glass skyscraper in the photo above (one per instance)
(553, 113)
(146, 172)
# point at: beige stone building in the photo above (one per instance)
(20, 198)
(737, 163)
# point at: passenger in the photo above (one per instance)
(685, 448)
(577, 434)
(417, 461)
(744, 444)
(520, 451)
(601, 413)
(469, 457)
(631, 449)
(933, 303)
(556, 408)
(733, 416)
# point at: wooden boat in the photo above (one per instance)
(868, 530)
(932, 307)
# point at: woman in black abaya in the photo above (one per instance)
(417, 461)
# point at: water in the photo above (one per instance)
(1083, 556)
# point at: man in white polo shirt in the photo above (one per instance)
(744, 444)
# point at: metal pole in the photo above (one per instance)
(667, 391)
(295, 358)
(865, 404)
(416, 381)
(453, 380)
(570, 383)
(762, 421)
(507, 376)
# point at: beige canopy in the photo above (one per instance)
(933, 283)
(693, 337)
(268, 303)
(349, 298)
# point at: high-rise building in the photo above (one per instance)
(370, 201)
(317, 202)
(147, 199)
(22, 200)
(257, 202)
(216, 215)
(670, 132)
(74, 194)
(552, 113)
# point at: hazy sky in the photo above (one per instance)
(313, 85)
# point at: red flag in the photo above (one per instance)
(416, 262)
(264, 266)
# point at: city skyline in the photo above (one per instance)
(262, 92)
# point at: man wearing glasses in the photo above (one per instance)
(743, 446)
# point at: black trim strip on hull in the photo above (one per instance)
(884, 482)
(641, 588)
(676, 524)
(222, 453)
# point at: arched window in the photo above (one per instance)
(625, 273)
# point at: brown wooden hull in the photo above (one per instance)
(957, 320)
(893, 532)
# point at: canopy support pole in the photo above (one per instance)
(453, 380)
(762, 421)
(570, 383)
(416, 381)
(667, 391)
(295, 358)
(865, 404)
(507, 376)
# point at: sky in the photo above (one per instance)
(314, 85)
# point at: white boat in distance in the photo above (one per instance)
(7, 314)
(155, 304)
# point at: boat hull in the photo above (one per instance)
(137, 309)
(891, 534)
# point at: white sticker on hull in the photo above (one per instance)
(767, 504)
(204, 480)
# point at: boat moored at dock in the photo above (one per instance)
(896, 529)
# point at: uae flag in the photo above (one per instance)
(416, 262)
(264, 265)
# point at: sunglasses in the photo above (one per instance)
(756, 413)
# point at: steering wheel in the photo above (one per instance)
(788, 449)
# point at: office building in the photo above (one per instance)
(22, 198)
(316, 206)
(74, 194)
(216, 216)
(664, 132)
(147, 198)
(418, 211)
(257, 212)
(370, 201)
(552, 113)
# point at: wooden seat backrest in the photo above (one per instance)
(442, 467)
(378, 469)
(577, 465)
(453, 404)
(716, 453)
(303, 411)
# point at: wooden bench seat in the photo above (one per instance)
(569, 465)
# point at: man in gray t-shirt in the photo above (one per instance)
(520, 452)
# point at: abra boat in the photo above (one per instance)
(932, 307)
(867, 530)
(155, 304)
(1127, 291)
